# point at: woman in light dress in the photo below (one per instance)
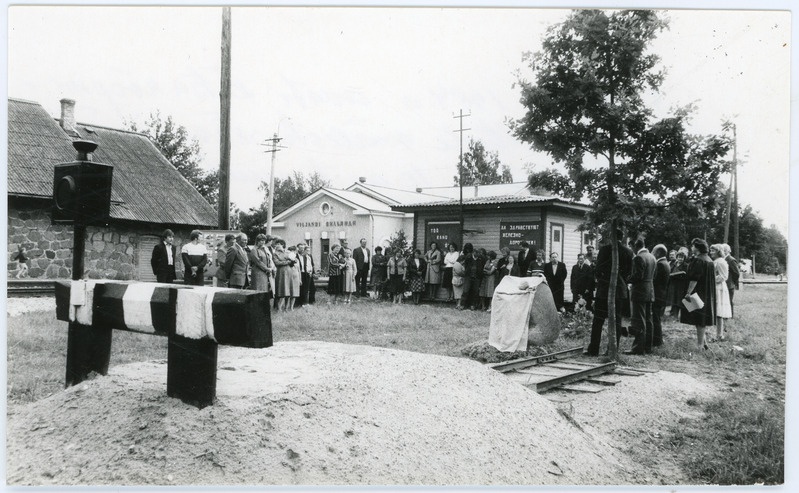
(718, 253)
(349, 269)
(449, 262)
(458, 280)
(287, 283)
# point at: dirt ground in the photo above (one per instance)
(318, 413)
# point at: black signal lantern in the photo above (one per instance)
(82, 189)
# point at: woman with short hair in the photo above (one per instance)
(396, 274)
(678, 282)
(260, 266)
(702, 282)
(718, 253)
(414, 275)
(335, 288)
(432, 275)
(449, 262)
(195, 256)
(379, 272)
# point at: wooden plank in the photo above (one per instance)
(643, 370)
(544, 370)
(581, 387)
(628, 373)
(565, 366)
(575, 377)
(603, 380)
(534, 360)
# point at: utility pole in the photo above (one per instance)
(223, 212)
(271, 203)
(735, 218)
(461, 116)
(731, 190)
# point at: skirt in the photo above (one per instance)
(417, 284)
(447, 279)
(396, 284)
(487, 286)
(334, 285)
(723, 305)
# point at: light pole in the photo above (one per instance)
(269, 210)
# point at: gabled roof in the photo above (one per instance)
(478, 191)
(496, 200)
(356, 200)
(394, 196)
(146, 187)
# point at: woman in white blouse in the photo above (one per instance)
(449, 262)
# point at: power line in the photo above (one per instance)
(461, 116)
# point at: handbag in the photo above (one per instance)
(457, 281)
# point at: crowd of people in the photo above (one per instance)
(696, 286)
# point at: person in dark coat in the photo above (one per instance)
(604, 261)
(414, 275)
(195, 257)
(734, 276)
(555, 273)
(362, 256)
(526, 255)
(661, 283)
(642, 297)
(237, 263)
(678, 282)
(701, 277)
(582, 280)
(163, 259)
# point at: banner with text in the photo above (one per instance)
(512, 233)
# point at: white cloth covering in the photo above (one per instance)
(81, 298)
(194, 313)
(510, 313)
(136, 308)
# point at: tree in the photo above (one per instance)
(481, 167)
(585, 109)
(399, 241)
(184, 153)
(292, 189)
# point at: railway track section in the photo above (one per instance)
(562, 371)
(30, 287)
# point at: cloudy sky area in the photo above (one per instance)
(372, 92)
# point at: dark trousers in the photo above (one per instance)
(641, 326)
(599, 321)
(361, 276)
(658, 314)
(471, 291)
(169, 276)
(557, 295)
(732, 306)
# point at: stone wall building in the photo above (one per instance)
(148, 195)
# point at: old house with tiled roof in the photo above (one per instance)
(148, 195)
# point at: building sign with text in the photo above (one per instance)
(512, 233)
(443, 233)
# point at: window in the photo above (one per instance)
(324, 208)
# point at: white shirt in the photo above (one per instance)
(169, 260)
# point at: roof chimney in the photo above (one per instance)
(68, 114)
(362, 179)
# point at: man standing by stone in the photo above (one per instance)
(661, 284)
(555, 273)
(604, 260)
(582, 281)
(734, 274)
(362, 257)
(237, 262)
(642, 297)
(163, 259)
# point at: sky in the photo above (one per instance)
(373, 92)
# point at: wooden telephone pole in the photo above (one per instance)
(224, 126)
(461, 116)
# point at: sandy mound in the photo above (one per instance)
(308, 413)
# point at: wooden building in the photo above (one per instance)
(148, 195)
(492, 222)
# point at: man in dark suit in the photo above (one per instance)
(555, 273)
(642, 297)
(236, 263)
(582, 280)
(602, 271)
(661, 284)
(733, 276)
(525, 257)
(163, 259)
(362, 257)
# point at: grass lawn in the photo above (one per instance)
(740, 441)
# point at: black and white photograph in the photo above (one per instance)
(538, 245)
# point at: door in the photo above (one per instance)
(145, 269)
(325, 242)
(556, 240)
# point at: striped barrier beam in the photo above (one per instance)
(194, 319)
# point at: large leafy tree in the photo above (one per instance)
(293, 188)
(482, 167)
(585, 109)
(179, 149)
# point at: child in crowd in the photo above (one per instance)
(349, 275)
(22, 262)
